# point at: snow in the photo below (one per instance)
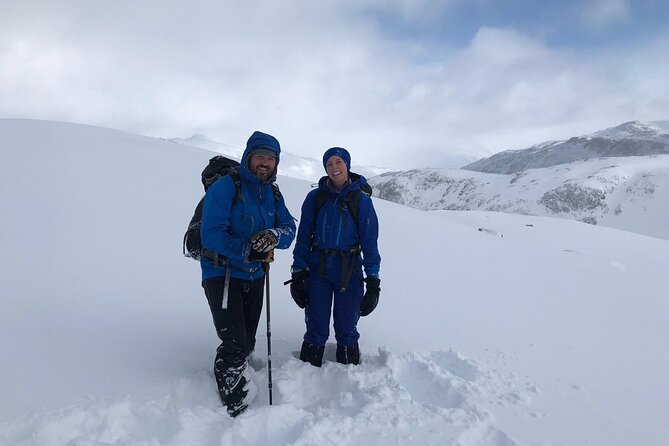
(530, 331)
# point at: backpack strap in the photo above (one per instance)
(350, 201)
(239, 197)
(321, 199)
(277, 197)
(277, 192)
(238, 185)
(353, 201)
(238, 188)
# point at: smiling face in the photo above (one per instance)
(262, 165)
(336, 170)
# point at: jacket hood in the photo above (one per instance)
(260, 140)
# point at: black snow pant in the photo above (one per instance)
(235, 325)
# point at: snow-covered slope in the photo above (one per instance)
(629, 139)
(291, 165)
(528, 331)
(629, 193)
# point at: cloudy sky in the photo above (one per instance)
(400, 83)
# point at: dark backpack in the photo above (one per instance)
(218, 167)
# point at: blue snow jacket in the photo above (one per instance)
(228, 222)
(334, 228)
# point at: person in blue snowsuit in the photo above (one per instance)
(327, 263)
(241, 226)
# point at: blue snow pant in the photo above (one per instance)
(323, 285)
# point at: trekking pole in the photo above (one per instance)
(269, 336)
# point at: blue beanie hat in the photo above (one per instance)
(341, 153)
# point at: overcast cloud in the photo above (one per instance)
(603, 13)
(400, 83)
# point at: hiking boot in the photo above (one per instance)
(312, 354)
(235, 387)
(348, 355)
(238, 399)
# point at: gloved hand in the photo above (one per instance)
(371, 297)
(267, 257)
(298, 288)
(262, 245)
(264, 241)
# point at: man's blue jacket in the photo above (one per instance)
(334, 228)
(228, 222)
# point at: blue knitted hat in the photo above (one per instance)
(341, 153)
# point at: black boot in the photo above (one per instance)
(238, 399)
(235, 387)
(312, 354)
(348, 355)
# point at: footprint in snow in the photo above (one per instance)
(439, 378)
(412, 398)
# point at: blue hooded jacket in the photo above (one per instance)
(229, 222)
(334, 228)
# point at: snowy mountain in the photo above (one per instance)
(629, 193)
(492, 329)
(618, 177)
(629, 139)
(291, 165)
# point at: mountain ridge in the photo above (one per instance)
(633, 138)
(627, 189)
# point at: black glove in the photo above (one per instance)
(298, 288)
(371, 297)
